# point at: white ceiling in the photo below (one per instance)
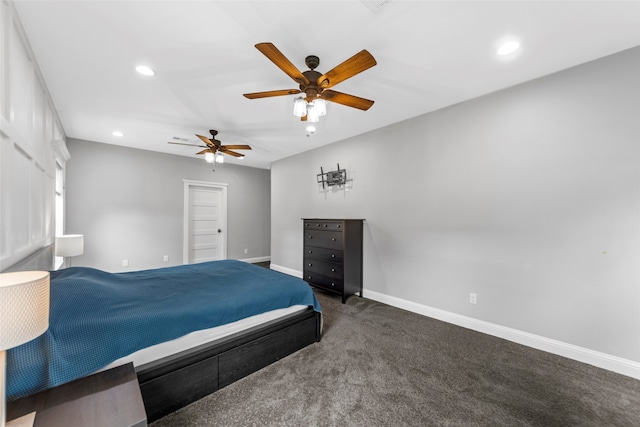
(430, 54)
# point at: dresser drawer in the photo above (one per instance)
(324, 239)
(323, 254)
(323, 225)
(324, 268)
(320, 280)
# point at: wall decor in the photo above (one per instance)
(336, 177)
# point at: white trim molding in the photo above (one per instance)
(570, 351)
(61, 151)
(256, 259)
(285, 270)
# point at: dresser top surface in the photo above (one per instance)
(333, 219)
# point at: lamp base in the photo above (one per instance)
(23, 421)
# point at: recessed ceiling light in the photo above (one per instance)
(145, 71)
(508, 47)
(117, 133)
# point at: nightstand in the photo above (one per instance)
(110, 398)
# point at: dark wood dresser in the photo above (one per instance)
(332, 257)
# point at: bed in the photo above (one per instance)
(189, 330)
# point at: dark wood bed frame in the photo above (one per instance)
(170, 383)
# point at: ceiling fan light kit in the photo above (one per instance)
(311, 110)
(214, 158)
(314, 85)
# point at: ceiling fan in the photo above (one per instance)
(213, 145)
(315, 85)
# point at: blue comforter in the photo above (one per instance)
(97, 317)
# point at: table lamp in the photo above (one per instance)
(24, 315)
(69, 245)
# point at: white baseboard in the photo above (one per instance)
(257, 259)
(570, 351)
(285, 270)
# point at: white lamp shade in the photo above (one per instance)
(312, 115)
(299, 107)
(24, 307)
(320, 107)
(69, 245)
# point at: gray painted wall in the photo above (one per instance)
(528, 197)
(129, 204)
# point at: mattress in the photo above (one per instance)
(205, 336)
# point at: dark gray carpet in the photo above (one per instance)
(381, 366)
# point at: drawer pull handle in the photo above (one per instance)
(333, 256)
(333, 239)
(319, 225)
(326, 225)
(309, 277)
(333, 284)
(310, 265)
(333, 270)
(310, 252)
(311, 237)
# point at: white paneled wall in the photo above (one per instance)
(31, 141)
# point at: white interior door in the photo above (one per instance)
(205, 222)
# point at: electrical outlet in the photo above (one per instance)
(166, 258)
(125, 263)
(473, 298)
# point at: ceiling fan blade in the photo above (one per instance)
(206, 140)
(232, 153)
(345, 99)
(190, 145)
(271, 93)
(235, 147)
(281, 61)
(359, 62)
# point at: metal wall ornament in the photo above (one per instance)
(331, 178)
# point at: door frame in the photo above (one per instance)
(188, 183)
